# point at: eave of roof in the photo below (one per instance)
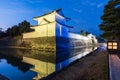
(65, 25)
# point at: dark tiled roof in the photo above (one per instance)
(49, 12)
(57, 10)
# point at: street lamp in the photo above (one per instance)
(112, 46)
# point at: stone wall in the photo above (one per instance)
(10, 41)
(41, 43)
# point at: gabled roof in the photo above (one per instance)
(59, 11)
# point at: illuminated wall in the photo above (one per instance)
(46, 30)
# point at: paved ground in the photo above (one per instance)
(114, 65)
(86, 68)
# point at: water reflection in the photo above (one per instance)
(16, 62)
(39, 63)
(42, 68)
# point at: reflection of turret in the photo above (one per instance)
(42, 68)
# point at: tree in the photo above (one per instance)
(17, 30)
(111, 21)
(2, 33)
(84, 33)
(24, 27)
(0, 29)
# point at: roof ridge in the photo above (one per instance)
(50, 12)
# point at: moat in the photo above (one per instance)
(17, 64)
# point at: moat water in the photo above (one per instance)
(20, 64)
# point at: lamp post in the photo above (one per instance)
(113, 46)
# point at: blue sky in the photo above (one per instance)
(84, 14)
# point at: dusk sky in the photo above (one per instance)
(84, 14)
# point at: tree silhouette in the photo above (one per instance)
(111, 21)
(17, 30)
(84, 33)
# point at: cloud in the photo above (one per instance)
(78, 10)
(100, 5)
(76, 21)
(17, 2)
(92, 4)
(88, 3)
(14, 11)
(14, 3)
(33, 1)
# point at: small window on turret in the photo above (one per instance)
(60, 30)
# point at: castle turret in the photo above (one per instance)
(50, 24)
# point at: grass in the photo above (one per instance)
(92, 67)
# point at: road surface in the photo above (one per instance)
(114, 66)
